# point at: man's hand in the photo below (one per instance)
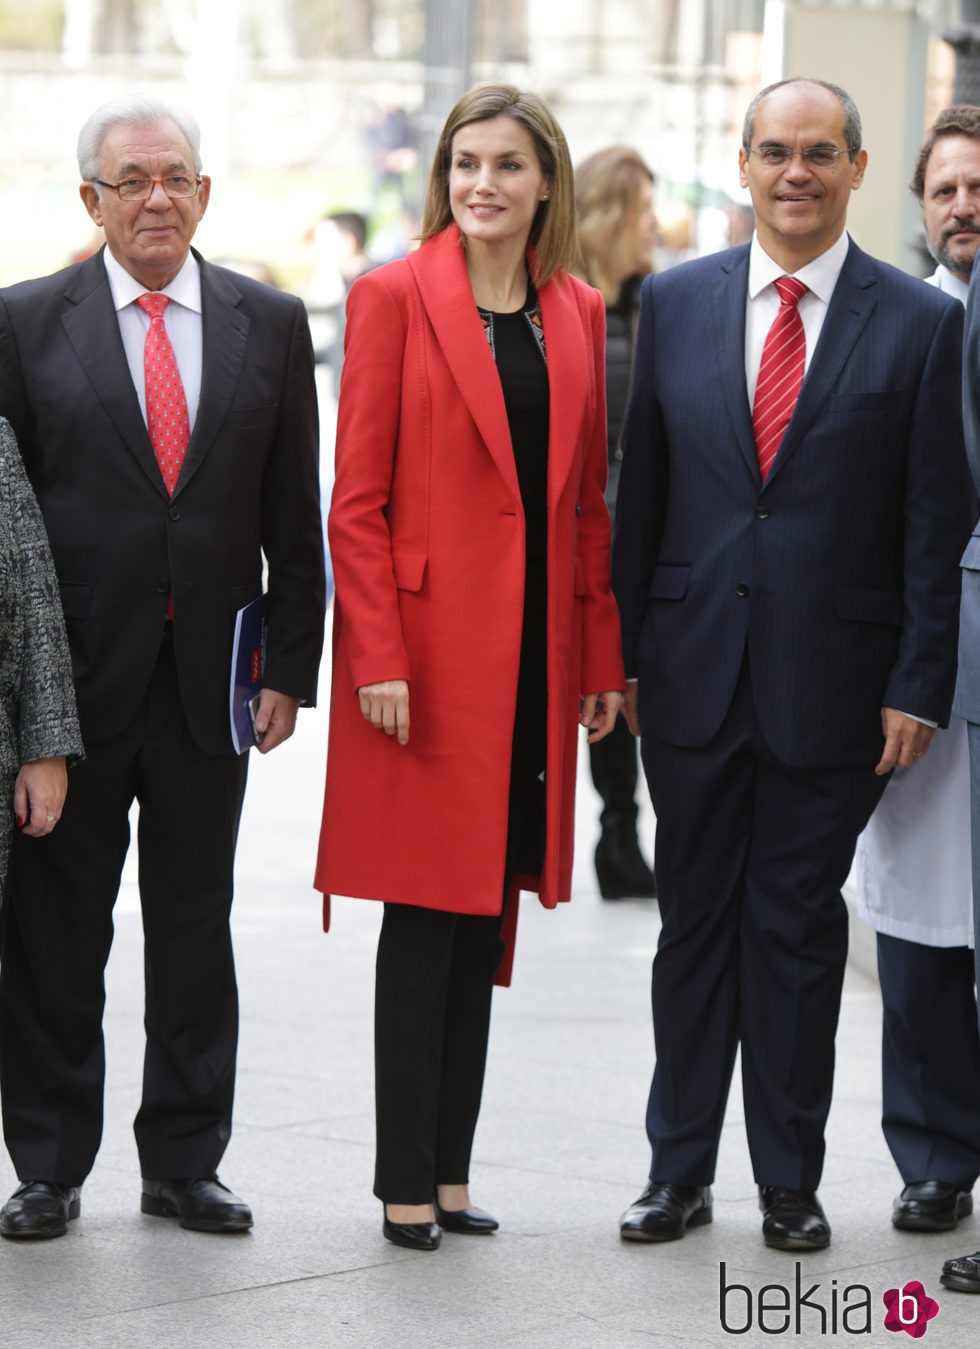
(385, 706)
(39, 794)
(630, 698)
(275, 719)
(905, 740)
(599, 712)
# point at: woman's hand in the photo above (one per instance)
(39, 794)
(385, 706)
(599, 712)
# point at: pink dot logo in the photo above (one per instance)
(909, 1309)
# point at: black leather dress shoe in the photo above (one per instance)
(665, 1211)
(414, 1236)
(931, 1206)
(203, 1205)
(962, 1274)
(39, 1209)
(470, 1222)
(792, 1220)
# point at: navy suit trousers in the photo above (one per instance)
(751, 856)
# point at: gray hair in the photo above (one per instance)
(132, 110)
(852, 118)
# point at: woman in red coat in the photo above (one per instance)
(474, 628)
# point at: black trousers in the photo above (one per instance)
(751, 857)
(433, 992)
(57, 935)
(930, 1061)
(615, 774)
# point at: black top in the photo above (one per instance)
(518, 350)
(517, 343)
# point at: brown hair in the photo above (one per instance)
(553, 227)
(963, 120)
(607, 201)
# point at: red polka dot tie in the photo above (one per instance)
(780, 373)
(166, 406)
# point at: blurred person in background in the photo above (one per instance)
(339, 241)
(913, 859)
(187, 390)
(474, 625)
(38, 721)
(391, 142)
(617, 234)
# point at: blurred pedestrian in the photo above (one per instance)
(391, 143)
(470, 540)
(617, 234)
(38, 721)
(166, 413)
(913, 860)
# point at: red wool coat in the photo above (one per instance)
(427, 541)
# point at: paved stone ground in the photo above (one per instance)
(560, 1152)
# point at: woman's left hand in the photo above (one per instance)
(39, 794)
(599, 711)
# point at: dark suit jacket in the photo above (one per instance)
(840, 574)
(248, 486)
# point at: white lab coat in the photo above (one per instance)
(912, 866)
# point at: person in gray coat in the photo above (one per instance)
(38, 722)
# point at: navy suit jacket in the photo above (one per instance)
(839, 576)
(247, 492)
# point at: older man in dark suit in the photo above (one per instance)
(166, 413)
(792, 507)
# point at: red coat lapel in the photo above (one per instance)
(439, 269)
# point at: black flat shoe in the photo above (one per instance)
(931, 1206)
(39, 1209)
(470, 1222)
(962, 1274)
(414, 1236)
(792, 1220)
(665, 1211)
(202, 1205)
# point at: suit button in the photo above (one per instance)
(578, 508)
(163, 587)
(741, 590)
(174, 513)
(762, 512)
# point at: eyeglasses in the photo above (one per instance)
(139, 189)
(816, 156)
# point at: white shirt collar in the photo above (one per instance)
(184, 289)
(819, 276)
(950, 284)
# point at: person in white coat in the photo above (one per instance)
(913, 860)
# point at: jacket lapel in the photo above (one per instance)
(224, 339)
(568, 344)
(439, 268)
(93, 331)
(851, 305)
(727, 299)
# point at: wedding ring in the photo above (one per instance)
(50, 818)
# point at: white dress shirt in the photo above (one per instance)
(183, 322)
(762, 302)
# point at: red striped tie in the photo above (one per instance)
(166, 406)
(780, 374)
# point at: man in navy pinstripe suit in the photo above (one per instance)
(793, 636)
